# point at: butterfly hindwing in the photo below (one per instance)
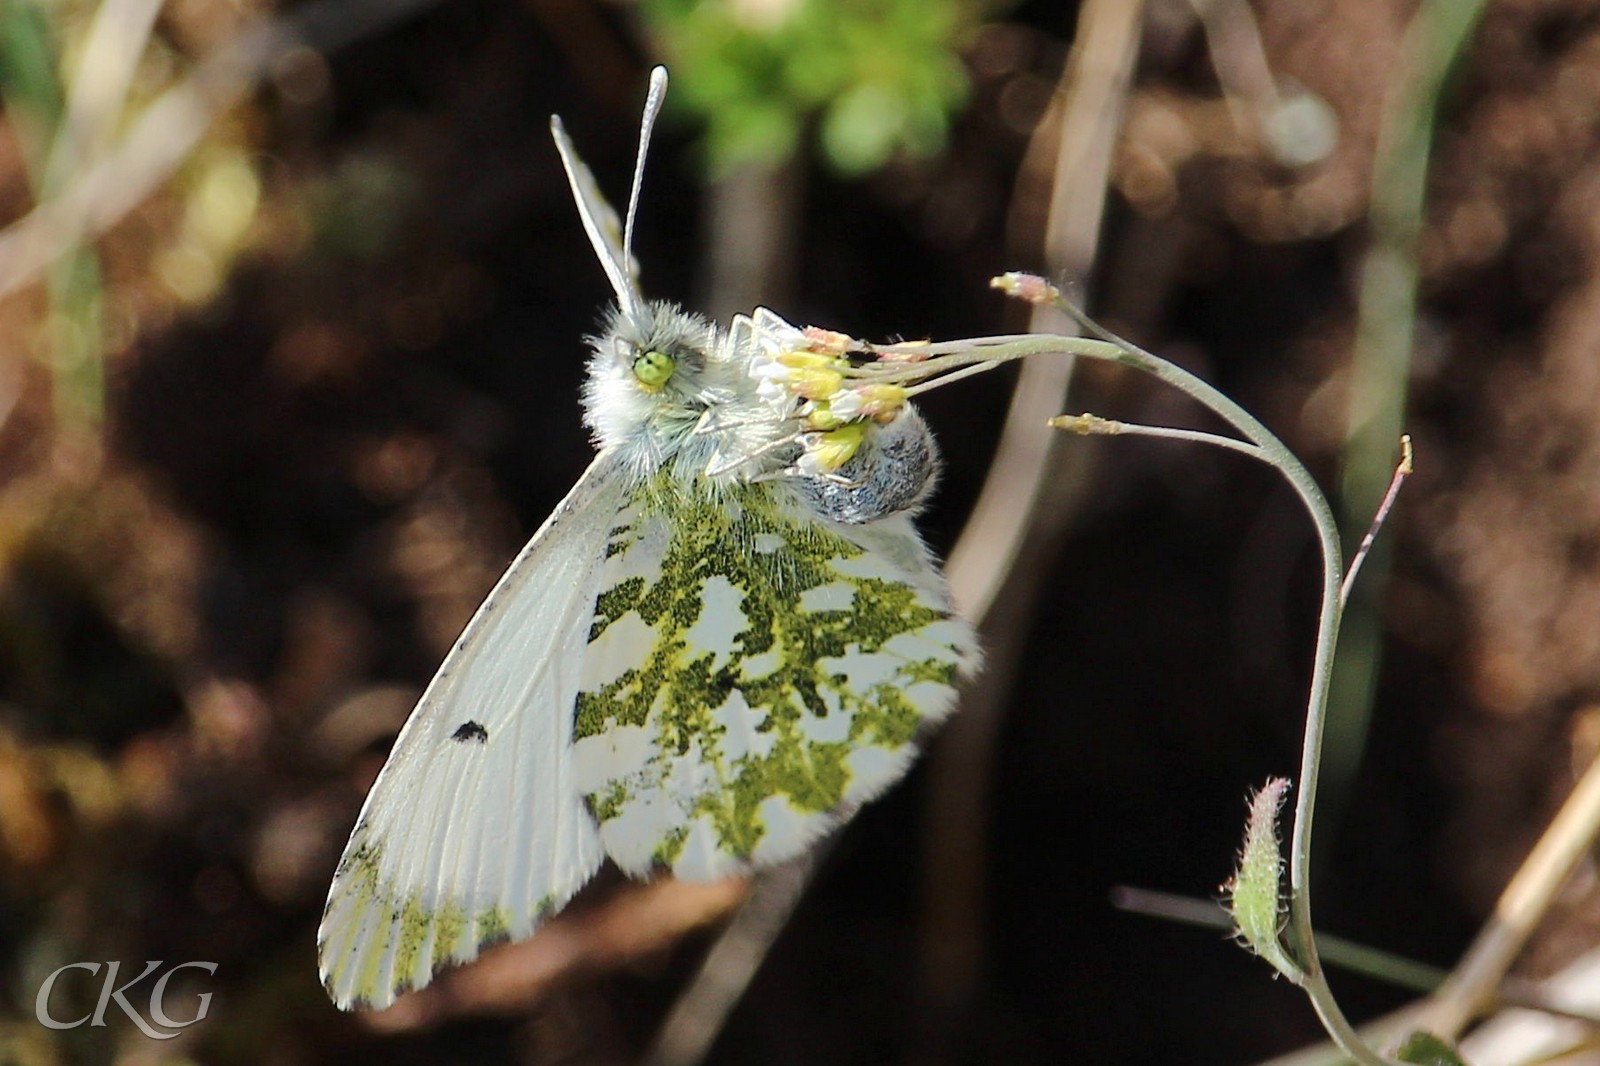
(752, 674)
(474, 831)
(726, 638)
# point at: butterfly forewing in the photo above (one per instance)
(475, 829)
(752, 674)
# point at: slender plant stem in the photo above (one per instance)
(1272, 451)
(1094, 426)
(1401, 472)
(977, 368)
(1337, 951)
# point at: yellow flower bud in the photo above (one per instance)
(838, 446)
(805, 360)
(815, 384)
(882, 403)
(821, 417)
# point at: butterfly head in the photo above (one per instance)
(654, 369)
(653, 372)
(657, 350)
(760, 398)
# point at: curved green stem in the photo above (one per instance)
(1272, 451)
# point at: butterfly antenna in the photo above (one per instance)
(599, 220)
(652, 108)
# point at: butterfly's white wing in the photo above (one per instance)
(753, 673)
(475, 829)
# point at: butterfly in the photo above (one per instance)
(726, 638)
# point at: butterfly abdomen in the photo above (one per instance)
(895, 470)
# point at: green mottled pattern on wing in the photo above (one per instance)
(753, 673)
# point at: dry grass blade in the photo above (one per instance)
(695, 1019)
(1011, 511)
(170, 127)
(638, 921)
(1471, 986)
(1084, 125)
(111, 52)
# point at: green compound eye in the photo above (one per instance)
(653, 369)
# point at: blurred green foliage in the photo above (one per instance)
(876, 76)
(1427, 1050)
(360, 209)
(32, 94)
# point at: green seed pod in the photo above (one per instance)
(1255, 891)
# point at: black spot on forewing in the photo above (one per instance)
(470, 731)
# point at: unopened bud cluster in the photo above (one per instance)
(806, 375)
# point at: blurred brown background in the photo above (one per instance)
(265, 443)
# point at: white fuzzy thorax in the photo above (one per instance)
(707, 419)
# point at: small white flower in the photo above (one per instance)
(845, 404)
(765, 367)
(811, 462)
(784, 378)
(774, 391)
